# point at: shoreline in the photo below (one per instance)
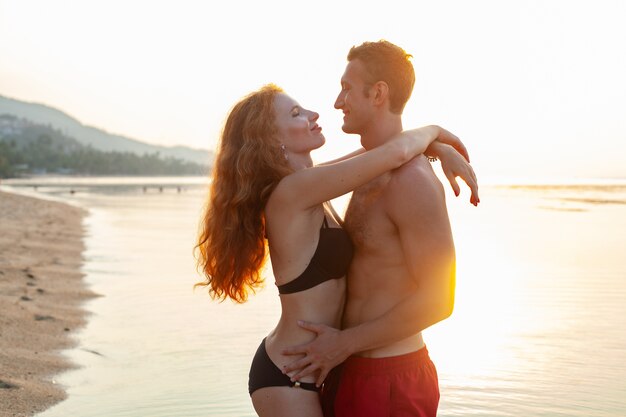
(41, 296)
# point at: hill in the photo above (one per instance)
(95, 138)
(28, 148)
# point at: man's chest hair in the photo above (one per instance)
(365, 211)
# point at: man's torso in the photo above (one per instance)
(379, 277)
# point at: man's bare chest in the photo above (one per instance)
(365, 216)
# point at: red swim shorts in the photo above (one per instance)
(396, 386)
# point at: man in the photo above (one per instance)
(402, 277)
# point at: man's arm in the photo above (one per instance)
(416, 205)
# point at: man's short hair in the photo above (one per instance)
(387, 62)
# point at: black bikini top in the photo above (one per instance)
(330, 260)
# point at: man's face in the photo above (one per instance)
(357, 108)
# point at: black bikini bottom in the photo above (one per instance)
(264, 373)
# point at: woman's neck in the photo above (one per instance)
(300, 161)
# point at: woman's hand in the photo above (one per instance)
(451, 139)
(455, 164)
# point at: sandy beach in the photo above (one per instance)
(41, 292)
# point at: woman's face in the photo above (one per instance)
(297, 126)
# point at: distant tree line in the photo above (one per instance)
(38, 149)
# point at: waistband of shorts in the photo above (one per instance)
(386, 365)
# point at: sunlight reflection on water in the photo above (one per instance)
(538, 327)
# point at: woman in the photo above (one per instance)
(266, 193)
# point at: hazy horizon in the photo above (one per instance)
(537, 327)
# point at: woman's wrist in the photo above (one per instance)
(424, 137)
(436, 150)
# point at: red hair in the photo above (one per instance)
(248, 166)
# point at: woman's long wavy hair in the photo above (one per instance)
(231, 247)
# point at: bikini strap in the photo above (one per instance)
(309, 386)
(325, 223)
(333, 213)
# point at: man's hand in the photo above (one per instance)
(326, 351)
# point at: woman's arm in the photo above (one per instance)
(311, 186)
(343, 158)
(433, 149)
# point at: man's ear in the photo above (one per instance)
(380, 92)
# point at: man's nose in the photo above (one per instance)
(339, 102)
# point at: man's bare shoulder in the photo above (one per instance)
(416, 202)
(415, 197)
(415, 177)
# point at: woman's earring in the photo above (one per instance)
(284, 148)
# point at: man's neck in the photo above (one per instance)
(381, 130)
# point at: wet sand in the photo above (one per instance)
(41, 293)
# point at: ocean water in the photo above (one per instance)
(539, 326)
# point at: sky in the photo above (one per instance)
(535, 89)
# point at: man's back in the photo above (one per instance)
(401, 232)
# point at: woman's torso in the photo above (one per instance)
(309, 253)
